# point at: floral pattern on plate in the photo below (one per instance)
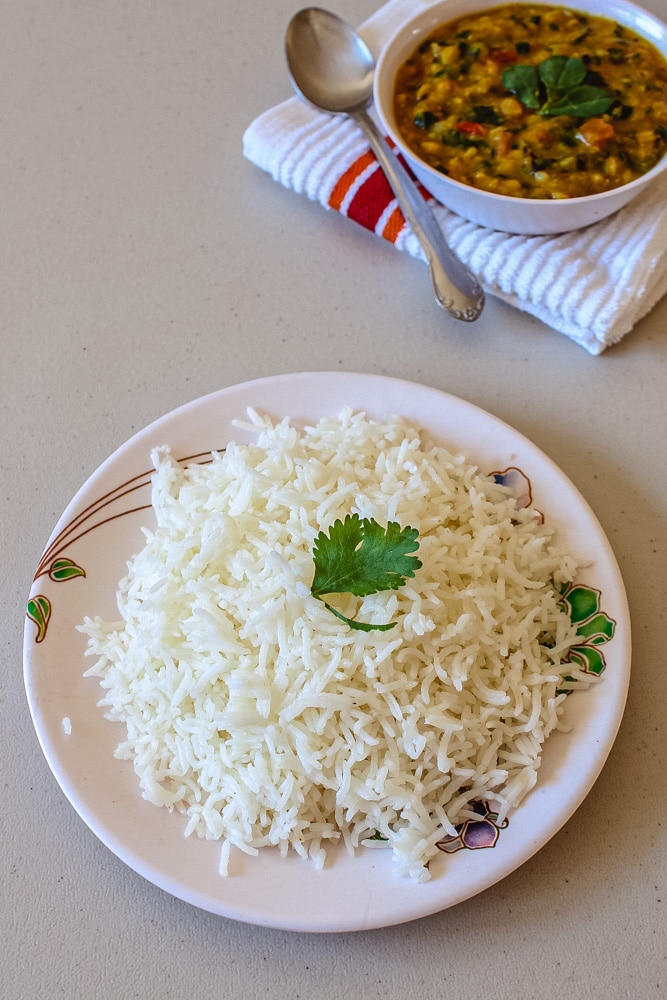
(582, 604)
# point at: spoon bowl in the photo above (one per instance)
(331, 66)
(333, 69)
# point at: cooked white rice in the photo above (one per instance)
(264, 719)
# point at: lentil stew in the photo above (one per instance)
(535, 101)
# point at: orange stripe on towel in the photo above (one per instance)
(344, 183)
(393, 225)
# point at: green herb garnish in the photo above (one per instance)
(360, 557)
(557, 87)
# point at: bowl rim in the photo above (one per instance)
(422, 22)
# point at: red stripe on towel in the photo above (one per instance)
(373, 197)
(371, 200)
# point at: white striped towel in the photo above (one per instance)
(593, 285)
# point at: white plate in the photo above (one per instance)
(99, 532)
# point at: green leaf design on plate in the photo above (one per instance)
(39, 611)
(589, 658)
(598, 629)
(581, 603)
(65, 569)
(594, 627)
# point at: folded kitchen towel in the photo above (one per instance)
(592, 285)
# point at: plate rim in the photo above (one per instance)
(350, 381)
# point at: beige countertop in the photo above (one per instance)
(145, 263)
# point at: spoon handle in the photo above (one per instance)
(456, 289)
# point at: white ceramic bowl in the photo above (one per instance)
(509, 214)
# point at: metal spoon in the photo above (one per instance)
(332, 69)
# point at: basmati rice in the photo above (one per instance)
(266, 721)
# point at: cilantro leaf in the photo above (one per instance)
(560, 74)
(360, 557)
(580, 102)
(558, 86)
(524, 81)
